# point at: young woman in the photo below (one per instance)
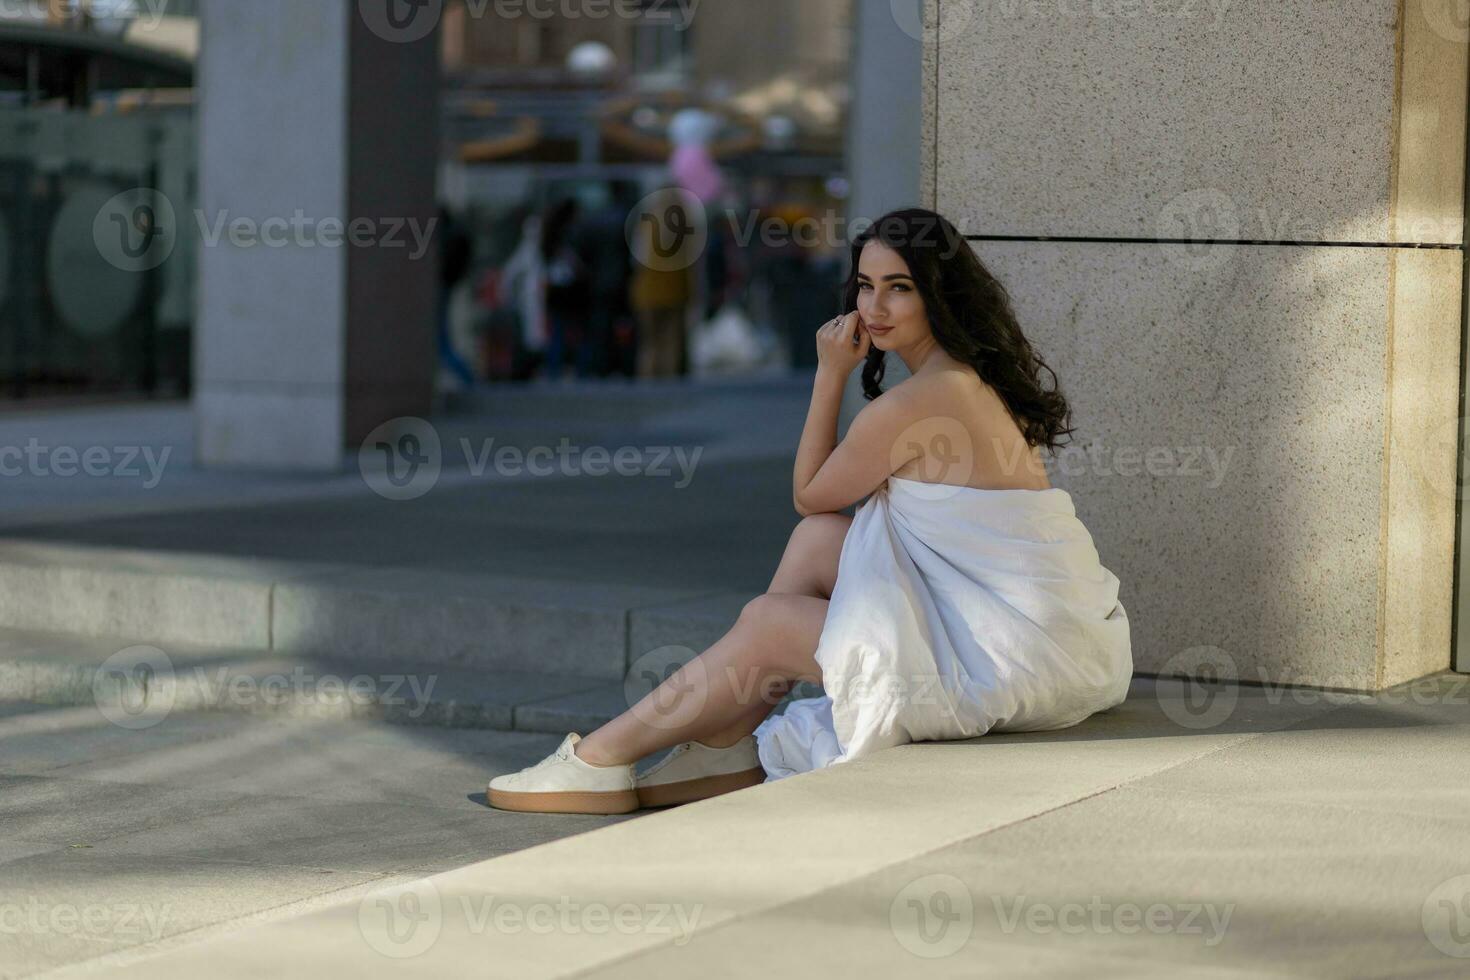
(963, 597)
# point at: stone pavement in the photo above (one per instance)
(216, 819)
(165, 817)
(1214, 831)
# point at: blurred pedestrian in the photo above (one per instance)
(454, 263)
(523, 290)
(602, 245)
(566, 285)
(660, 298)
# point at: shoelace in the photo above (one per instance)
(560, 755)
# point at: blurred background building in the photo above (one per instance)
(94, 101)
(553, 120)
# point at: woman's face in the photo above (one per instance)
(888, 299)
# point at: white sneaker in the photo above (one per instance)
(564, 783)
(695, 771)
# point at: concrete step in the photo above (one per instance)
(348, 612)
(137, 684)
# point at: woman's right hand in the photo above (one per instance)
(842, 344)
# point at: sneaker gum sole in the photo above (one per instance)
(621, 801)
(691, 790)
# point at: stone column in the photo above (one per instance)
(885, 126)
(318, 146)
(1235, 228)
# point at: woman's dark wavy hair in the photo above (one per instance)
(970, 314)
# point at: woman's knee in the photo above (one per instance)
(781, 629)
(757, 613)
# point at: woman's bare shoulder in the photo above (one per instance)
(956, 388)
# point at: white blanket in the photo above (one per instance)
(957, 612)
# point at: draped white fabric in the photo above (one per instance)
(957, 611)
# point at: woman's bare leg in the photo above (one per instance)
(725, 693)
(772, 642)
(809, 567)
